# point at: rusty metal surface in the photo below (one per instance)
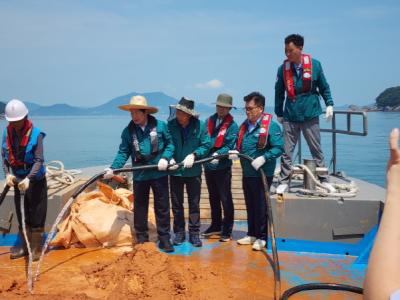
(247, 273)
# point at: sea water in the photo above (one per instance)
(90, 141)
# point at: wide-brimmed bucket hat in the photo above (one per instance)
(139, 102)
(186, 105)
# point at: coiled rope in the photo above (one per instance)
(57, 176)
(342, 190)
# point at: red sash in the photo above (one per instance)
(264, 130)
(288, 76)
(222, 130)
(26, 133)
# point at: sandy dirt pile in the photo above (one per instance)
(146, 273)
(143, 273)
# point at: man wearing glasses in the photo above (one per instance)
(260, 138)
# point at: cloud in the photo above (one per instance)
(212, 84)
(375, 12)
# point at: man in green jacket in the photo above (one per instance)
(147, 141)
(303, 80)
(222, 130)
(191, 142)
(260, 138)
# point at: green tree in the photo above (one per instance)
(389, 97)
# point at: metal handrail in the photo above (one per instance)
(334, 131)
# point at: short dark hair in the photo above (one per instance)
(296, 39)
(258, 98)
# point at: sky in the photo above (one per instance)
(85, 53)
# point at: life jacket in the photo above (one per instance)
(22, 164)
(226, 122)
(138, 156)
(263, 136)
(288, 76)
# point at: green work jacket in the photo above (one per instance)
(271, 151)
(305, 106)
(192, 139)
(126, 149)
(228, 144)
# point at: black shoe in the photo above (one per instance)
(194, 239)
(21, 250)
(165, 245)
(179, 238)
(141, 239)
(212, 230)
(18, 252)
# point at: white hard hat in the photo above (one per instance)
(15, 110)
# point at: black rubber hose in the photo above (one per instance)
(131, 169)
(4, 193)
(321, 286)
(271, 228)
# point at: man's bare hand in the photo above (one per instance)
(393, 169)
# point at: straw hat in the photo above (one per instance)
(186, 105)
(225, 100)
(139, 102)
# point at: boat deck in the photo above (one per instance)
(222, 271)
(319, 239)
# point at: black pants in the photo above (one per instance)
(219, 189)
(256, 207)
(193, 186)
(35, 204)
(141, 190)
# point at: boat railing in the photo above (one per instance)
(334, 131)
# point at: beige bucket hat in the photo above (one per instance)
(225, 100)
(139, 102)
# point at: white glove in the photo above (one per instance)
(24, 184)
(258, 162)
(173, 165)
(162, 164)
(280, 119)
(188, 161)
(329, 113)
(109, 173)
(233, 154)
(10, 180)
(214, 161)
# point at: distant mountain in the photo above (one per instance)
(157, 99)
(32, 106)
(59, 110)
